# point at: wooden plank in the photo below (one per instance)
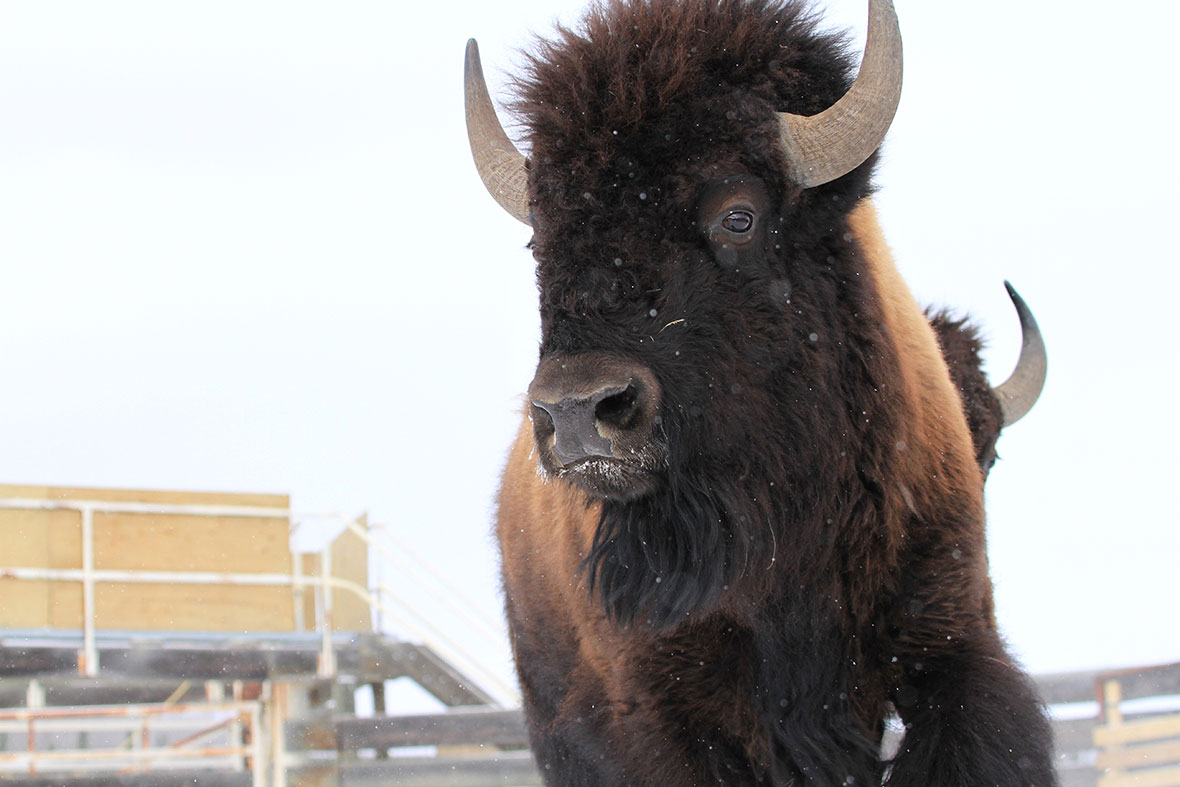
(459, 727)
(1153, 682)
(178, 663)
(23, 603)
(320, 775)
(441, 678)
(1138, 731)
(208, 664)
(1064, 687)
(25, 536)
(1139, 756)
(309, 565)
(163, 496)
(516, 768)
(21, 662)
(1164, 777)
(155, 542)
(350, 561)
(172, 607)
(367, 657)
(1136, 683)
(205, 778)
(192, 543)
(72, 690)
(52, 539)
(65, 551)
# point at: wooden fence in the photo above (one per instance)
(1113, 729)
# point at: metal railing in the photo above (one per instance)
(239, 723)
(384, 602)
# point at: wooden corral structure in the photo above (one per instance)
(166, 533)
(144, 632)
(155, 637)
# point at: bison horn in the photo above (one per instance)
(823, 147)
(1020, 392)
(501, 166)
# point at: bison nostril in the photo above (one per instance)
(617, 409)
(541, 417)
(591, 406)
(571, 422)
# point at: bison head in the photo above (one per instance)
(714, 372)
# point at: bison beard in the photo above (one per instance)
(742, 523)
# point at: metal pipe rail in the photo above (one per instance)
(242, 718)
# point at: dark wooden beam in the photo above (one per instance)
(72, 690)
(369, 658)
(514, 768)
(16, 661)
(455, 728)
(205, 778)
(1137, 683)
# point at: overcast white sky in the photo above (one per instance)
(244, 248)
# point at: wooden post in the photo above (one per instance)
(276, 721)
(1112, 695)
(379, 710)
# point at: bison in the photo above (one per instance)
(742, 522)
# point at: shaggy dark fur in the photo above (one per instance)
(797, 569)
(961, 347)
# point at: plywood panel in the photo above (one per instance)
(27, 538)
(65, 605)
(310, 565)
(1138, 756)
(171, 497)
(193, 607)
(191, 543)
(65, 537)
(65, 551)
(1137, 731)
(350, 561)
(23, 604)
(153, 542)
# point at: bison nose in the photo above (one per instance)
(588, 406)
(576, 419)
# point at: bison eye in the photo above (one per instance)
(738, 221)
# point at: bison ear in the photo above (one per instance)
(823, 147)
(1020, 391)
(501, 166)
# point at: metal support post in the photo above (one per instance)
(327, 665)
(89, 665)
